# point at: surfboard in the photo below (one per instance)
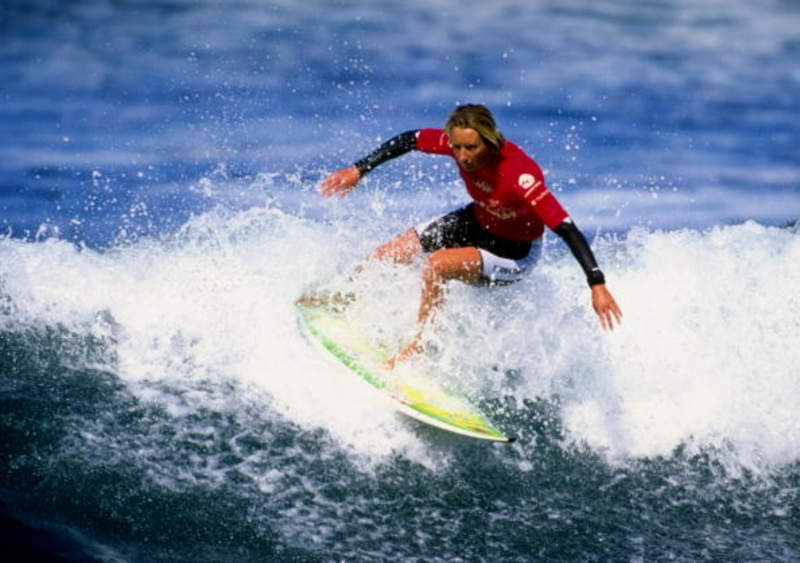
(412, 392)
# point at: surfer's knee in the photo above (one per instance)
(401, 249)
(452, 264)
(436, 267)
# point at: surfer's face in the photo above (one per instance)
(469, 148)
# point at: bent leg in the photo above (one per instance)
(462, 264)
(402, 249)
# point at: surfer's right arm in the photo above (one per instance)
(342, 181)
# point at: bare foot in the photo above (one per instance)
(411, 350)
(336, 301)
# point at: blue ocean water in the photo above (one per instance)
(158, 170)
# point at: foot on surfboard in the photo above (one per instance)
(409, 351)
(336, 301)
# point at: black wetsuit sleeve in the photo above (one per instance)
(394, 147)
(576, 242)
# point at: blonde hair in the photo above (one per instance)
(479, 118)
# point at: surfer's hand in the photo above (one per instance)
(340, 182)
(606, 307)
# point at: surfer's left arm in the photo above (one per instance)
(603, 302)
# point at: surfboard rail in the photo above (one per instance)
(414, 395)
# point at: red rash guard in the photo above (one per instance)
(511, 199)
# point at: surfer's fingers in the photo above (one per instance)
(606, 315)
(606, 307)
(340, 182)
(617, 313)
(613, 311)
(330, 185)
(613, 315)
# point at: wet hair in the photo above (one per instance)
(479, 118)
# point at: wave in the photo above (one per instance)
(701, 361)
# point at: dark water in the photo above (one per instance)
(157, 169)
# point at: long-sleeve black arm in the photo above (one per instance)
(576, 242)
(394, 147)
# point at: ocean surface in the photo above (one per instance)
(159, 214)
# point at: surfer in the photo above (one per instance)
(495, 239)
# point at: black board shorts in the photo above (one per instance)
(504, 261)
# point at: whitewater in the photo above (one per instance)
(700, 360)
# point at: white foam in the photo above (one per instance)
(212, 303)
(705, 357)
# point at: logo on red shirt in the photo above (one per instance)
(528, 183)
(483, 185)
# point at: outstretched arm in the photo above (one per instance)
(342, 181)
(603, 302)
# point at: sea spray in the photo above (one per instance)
(704, 357)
